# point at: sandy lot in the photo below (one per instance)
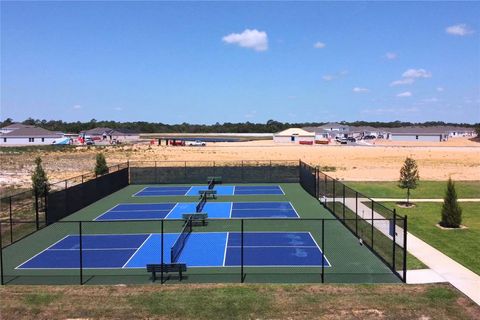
(461, 161)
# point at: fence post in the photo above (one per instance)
(326, 190)
(323, 250)
(334, 197)
(356, 213)
(161, 252)
(81, 249)
(241, 172)
(1, 256)
(11, 220)
(270, 172)
(372, 222)
(343, 210)
(405, 250)
(36, 210)
(156, 174)
(394, 237)
(241, 253)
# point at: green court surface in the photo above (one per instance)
(350, 262)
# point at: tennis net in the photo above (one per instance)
(211, 184)
(201, 203)
(179, 244)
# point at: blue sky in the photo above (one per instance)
(243, 61)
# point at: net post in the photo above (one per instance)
(241, 254)
(161, 251)
(405, 250)
(323, 250)
(11, 220)
(372, 222)
(394, 238)
(81, 249)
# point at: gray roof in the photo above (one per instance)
(109, 131)
(419, 130)
(17, 126)
(31, 132)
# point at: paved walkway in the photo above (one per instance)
(421, 200)
(440, 264)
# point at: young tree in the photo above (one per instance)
(451, 211)
(101, 164)
(39, 178)
(409, 176)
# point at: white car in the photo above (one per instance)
(196, 143)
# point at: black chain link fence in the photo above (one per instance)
(34, 218)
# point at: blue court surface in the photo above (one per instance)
(221, 190)
(205, 249)
(225, 210)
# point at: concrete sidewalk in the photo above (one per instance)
(441, 266)
(422, 200)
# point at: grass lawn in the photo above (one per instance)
(438, 301)
(461, 245)
(425, 189)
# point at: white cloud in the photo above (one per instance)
(391, 55)
(440, 89)
(380, 111)
(252, 39)
(338, 75)
(251, 114)
(319, 45)
(416, 73)
(459, 30)
(404, 94)
(410, 75)
(328, 77)
(77, 106)
(402, 81)
(360, 90)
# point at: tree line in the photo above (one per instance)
(226, 127)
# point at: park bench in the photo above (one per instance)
(167, 267)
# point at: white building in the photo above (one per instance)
(294, 135)
(28, 135)
(436, 134)
(109, 135)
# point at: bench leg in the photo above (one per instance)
(181, 274)
(154, 276)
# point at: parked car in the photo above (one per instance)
(369, 137)
(89, 141)
(196, 143)
(380, 136)
(351, 139)
(341, 140)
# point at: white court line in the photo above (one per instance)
(233, 191)
(321, 250)
(145, 241)
(231, 210)
(43, 251)
(171, 210)
(150, 234)
(274, 247)
(281, 189)
(185, 194)
(92, 249)
(135, 194)
(294, 209)
(225, 251)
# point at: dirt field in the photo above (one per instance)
(461, 161)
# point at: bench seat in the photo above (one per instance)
(166, 267)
